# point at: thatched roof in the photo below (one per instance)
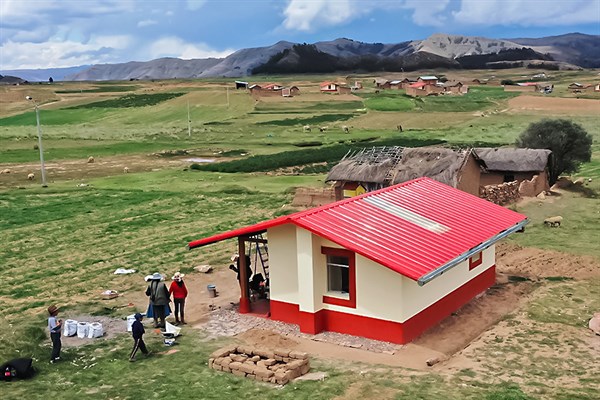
(392, 165)
(514, 160)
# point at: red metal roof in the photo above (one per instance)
(418, 84)
(413, 228)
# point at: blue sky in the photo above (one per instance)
(64, 33)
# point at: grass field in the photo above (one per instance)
(61, 244)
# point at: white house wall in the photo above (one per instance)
(283, 263)
(416, 298)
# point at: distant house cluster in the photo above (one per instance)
(339, 88)
(423, 86)
(268, 89)
(577, 87)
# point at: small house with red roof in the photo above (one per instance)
(330, 87)
(385, 265)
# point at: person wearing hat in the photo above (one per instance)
(137, 331)
(159, 298)
(179, 292)
(54, 326)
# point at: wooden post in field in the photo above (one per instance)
(189, 120)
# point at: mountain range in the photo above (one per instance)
(569, 51)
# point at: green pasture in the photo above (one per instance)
(61, 244)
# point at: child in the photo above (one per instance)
(54, 326)
(137, 331)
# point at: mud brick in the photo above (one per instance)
(261, 364)
(238, 372)
(244, 350)
(235, 365)
(217, 367)
(300, 355)
(292, 373)
(225, 368)
(255, 359)
(304, 369)
(263, 353)
(277, 367)
(281, 352)
(210, 362)
(218, 361)
(224, 351)
(287, 359)
(263, 372)
(226, 361)
(249, 369)
(294, 364)
(278, 358)
(273, 379)
(270, 361)
(281, 378)
(238, 357)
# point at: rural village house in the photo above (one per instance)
(332, 87)
(385, 265)
(272, 90)
(467, 170)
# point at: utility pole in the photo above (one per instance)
(227, 90)
(189, 120)
(39, 133)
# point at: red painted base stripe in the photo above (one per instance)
(378, 329)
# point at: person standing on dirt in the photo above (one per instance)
(159, 298)
(236, 268)
(137, 331)
(54, 326)
(179, 292)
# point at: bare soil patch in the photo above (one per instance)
(554, 105)
(111, 326)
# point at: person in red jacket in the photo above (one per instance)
(179, 292)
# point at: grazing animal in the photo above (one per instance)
(5, 171)
(322, 128)
(399, 127)
(553, 222)
(306, 128)
(346, 129)
(31, 176)
(126, 170)
(90, 159)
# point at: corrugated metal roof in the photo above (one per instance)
(412, 228)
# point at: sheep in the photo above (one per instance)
(5, 171)
(553, 221)
(31, 176)
(306, 128)
(346, 129)
(322, 128)
(126, 170)
(90, 159)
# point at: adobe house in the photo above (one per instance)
(429, 79)
(512, 164)
(381, 83)
(455, 88)
(328, 87)
(378, 167)
(241, 85)
(386, 265)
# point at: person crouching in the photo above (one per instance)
(137, 331)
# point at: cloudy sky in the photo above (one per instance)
(64, 33)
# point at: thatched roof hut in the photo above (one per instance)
(393, 164)
(513, 159)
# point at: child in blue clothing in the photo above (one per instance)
(54, 326)
(137, 331)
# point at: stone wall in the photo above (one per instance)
(502, 194)
(275, 366)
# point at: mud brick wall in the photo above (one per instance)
(504, 193)
(313, 197)
(277, 366)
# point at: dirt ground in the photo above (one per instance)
(554, 105)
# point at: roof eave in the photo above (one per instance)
(454, 262)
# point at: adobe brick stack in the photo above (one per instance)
(502, 194)
(277, 366)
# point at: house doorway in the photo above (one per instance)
(257, 290)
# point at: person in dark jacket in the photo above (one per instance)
(159, 298)
(137, 331)
(54, 326)
(236, 268)
(180, 292)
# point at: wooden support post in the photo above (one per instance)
(244, 298)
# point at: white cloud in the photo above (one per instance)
(55, 54)
(428, 13)
(528, 12)
(146, 22)
(175, 47)
(306, 15)
(195, 4)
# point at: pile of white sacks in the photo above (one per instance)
(88, 330)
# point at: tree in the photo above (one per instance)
(570, 144)
(50, 80)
